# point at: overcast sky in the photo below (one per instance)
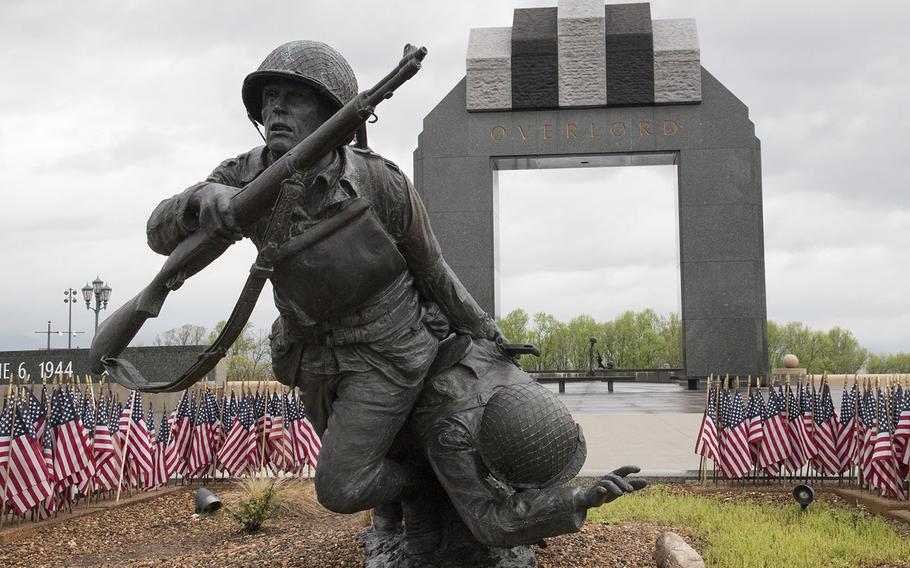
(108, 107)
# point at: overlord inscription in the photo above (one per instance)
(569, 130)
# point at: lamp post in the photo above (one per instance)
(70, 297)
(102, 293)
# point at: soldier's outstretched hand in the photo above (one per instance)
(612, 486)
(215, 215)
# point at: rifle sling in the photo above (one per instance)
(125, 373)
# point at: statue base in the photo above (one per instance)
(385, 550)
(456, 547)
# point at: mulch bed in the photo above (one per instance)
(163, 532)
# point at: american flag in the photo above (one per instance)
(238, 454)
(755, 416)
(6, 434)
(114, 420)
(867, 431)
(85, 483)
(87, 415)
(827, 432)
(24, 474)
(171, 459)
(807, 404)
(105, 450)
(34, 413)
(263, 423)
(148, 477)
(883, 462)
(71, 441)
(202, 450)
(47, 508)
(902, 428)
(162, 470)
(846, 435)
(280, 442)
(305, 434)
(41, 424)
(136, 436)
(776, 446)
(218, 411)
(230, 413)
(706, 443)
(290, 418)
(799, 438)
(735, 457)
(182, 434)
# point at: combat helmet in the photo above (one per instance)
(311, 62)
(528, 438)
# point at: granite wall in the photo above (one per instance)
(718, 163)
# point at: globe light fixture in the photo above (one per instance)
(101, 292)
(804, 495)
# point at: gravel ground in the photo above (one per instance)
(163, 532)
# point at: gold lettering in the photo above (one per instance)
(570, 130)
(670, 128)
(547, 134)
(501, 130)
(594, 131)
(618, 129)
(644, 128)
(524, 135)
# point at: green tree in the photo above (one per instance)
(631, 340)
(888, 363)
(835, 350)
(515, 326)
(249, 357)
(187, 334)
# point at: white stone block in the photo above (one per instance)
(677, 61)
(582, 56)
(489, 69)
(580, 17)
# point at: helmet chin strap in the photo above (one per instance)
(256, 126)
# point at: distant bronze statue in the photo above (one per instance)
(365, 297)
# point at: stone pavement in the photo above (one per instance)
(649, 425)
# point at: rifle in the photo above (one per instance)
(200, 249)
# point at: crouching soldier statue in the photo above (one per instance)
(502, 448)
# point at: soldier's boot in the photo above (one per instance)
(387, 518)
(421, 526)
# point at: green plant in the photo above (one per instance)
(260, 499)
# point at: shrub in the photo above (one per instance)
(260, 499)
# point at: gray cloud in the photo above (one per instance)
(106, 108)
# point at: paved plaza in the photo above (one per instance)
(649, 425)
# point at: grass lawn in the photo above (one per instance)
(737, 532)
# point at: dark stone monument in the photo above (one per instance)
(664, 108)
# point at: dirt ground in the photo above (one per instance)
(163, 532)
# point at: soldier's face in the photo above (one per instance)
(291, 112)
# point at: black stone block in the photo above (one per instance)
(534, 31)
(535, 81)
(535, 63)
(630, 54)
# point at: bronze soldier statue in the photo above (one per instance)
(366, 299)
(351, 332)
